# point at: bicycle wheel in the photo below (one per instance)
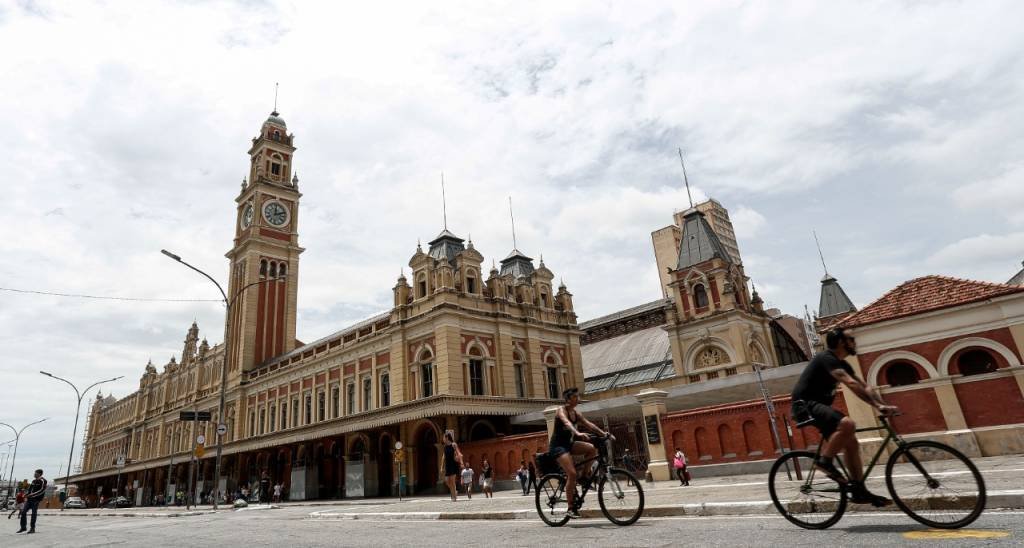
(550, 498)
(803, 495)
(620, 496)
(935, 484)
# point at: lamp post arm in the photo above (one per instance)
(69, 383)
(208, 277)
(248, 285)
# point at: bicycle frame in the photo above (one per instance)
(891, 436)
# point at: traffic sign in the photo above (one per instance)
(120, 461)
(200, 451)
(200, 439)
(222, 429)
(398, 445)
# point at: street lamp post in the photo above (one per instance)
(228, 303)
(74, 432)
(17, 438)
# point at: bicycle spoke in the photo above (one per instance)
(621, 497)
(814, 502)
(935, 485)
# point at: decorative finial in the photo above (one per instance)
(541, 259)
(685, 179)
(515, 246)
(245, 182)
(295, 178)
(819, 252)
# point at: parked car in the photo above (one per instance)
(74, 502)
(119, 502)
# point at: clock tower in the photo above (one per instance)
(262, 321)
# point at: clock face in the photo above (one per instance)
(247, 217)
(275, 213)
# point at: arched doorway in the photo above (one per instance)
(385, 465)
(426, 459)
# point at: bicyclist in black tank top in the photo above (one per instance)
(567, 440)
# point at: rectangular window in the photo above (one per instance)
(520, 386)
(252, 424)
(350, 394)
(321, 406)
(385, 390)
(309, 409)
(335, 404)
(428, 379)
(275, 168)
(367, 393)
(295, 412)
(273, 417)
(553, 383)
(284, 415)
(470, 285)
(476, 377)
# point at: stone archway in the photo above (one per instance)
(385, 465)
(426, 459)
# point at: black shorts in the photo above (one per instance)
(823, 417)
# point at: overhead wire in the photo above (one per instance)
(107, 297)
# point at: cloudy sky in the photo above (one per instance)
(894, 130)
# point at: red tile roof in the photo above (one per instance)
(926, 294)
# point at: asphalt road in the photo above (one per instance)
(288, 527)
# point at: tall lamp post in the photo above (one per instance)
(228, 303)
(6, 457)
(74, 432)
(17, 437)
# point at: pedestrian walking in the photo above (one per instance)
(452, 462)
(523, 475)
(531, 477)
(35, 495)
(679, 463)
(467, 479)
(486, 479)
(277, 492)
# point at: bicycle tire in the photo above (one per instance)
(608, 513)
(787, 508)
(935, 503)
(550, 490)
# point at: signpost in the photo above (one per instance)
(771, 411)
(117, 484)
(199, 451)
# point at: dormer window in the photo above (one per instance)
(277, 135)
(421, 286)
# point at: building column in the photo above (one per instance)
(652, 403)
(950, 405)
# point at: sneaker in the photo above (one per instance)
(863, 496)
(831, 471)
(573, 514)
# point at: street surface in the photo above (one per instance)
(289, 526)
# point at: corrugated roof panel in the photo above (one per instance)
(629, 351)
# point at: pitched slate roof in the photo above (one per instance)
(833, 299)
(1018, 279)
(699, 243)
(924, 295)
(517, 264)
(446, 246)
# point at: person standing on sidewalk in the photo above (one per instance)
(679, 463)
(452, 460)
(35, 495)
(277, 493)
(486, 480)
(523, 475)
(467, 479)
(531, 477)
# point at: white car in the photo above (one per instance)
(74, 502)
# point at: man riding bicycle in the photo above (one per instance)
(812, 404)
(564, 444)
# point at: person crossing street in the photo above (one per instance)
(35, 495)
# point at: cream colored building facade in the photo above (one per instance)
(461, 349)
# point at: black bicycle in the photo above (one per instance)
(618, 492)
(931, 482)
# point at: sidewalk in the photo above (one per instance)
(728, 495)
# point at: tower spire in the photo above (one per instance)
(511, 216)
(820, 255)
(685, 179)
(275, 96)
(444, 203)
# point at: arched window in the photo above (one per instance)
(976, 362)
(519, 367)
(273, 269)
(471, 287)
(725, 440)
(283, 270)
(901, 373)
(700, 296)
(263, 267)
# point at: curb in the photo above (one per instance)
(1000, 500)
